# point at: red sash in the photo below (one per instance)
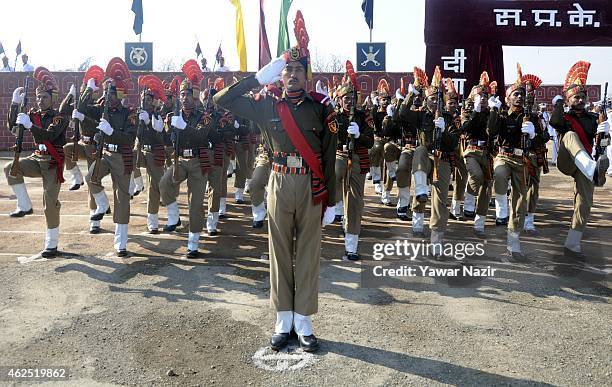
(588, 147)
(55, 155)
(299, 142)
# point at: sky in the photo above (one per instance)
(61, 34)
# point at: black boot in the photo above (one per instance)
(309, 343)
(171, 227)
(21, 214)
(279, 341)
(49, 252)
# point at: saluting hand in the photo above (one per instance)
(271, 72)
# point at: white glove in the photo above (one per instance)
(105, 127)
(91, 83)
(72, 91)
(270, 73)
(236, 125)
(439, 123)
(353, 129)
(556, 98)
(390, 110)
(412, 89)
(18, 95)
(321, 89)
(78, 115)
(329, 215)
(144, 116)
(529, 129)
(604, 127)
(477, 102)
(178, 122)
(24, 119)
(494, 102)
(398, 95)
(367, 100)
(375, 101)
(158, 124)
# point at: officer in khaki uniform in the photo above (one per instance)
(151, 142)
(510, 128)
(476, 150)
(193, 130)
(297, 193)
(423, 163)
(357, 127)
(118, 133)
(458, 167)
(47, 127)
(245, 158)
(377, 153)
(578, 129)
(259, 182)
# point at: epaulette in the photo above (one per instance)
(320, 98)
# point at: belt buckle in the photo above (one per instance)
(482, 143)
(344, 148)
(294, 162)
(42, 147)
(86, 138)
(187, 152)
(518, 152)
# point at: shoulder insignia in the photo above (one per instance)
(57, 120)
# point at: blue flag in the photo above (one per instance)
(367, 6)
(18, 49)
(138, 19)
(1, 48)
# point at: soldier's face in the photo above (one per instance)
(417, 101)
(451, 105)
(5, 61)
(577, 101)
(516, 98)
(347, 102)
(294, 76)
(187, 101)
(43, 100)
(432, 102)
(149, 102)
(384, 102)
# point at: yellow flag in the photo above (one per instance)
(240, 42)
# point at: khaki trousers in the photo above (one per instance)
(154, 175)
(259, 181)
(511, 168)
(476, 165)
(245, 159)
(112, 163)
(461, 177)
(217, 185)
(294, 265)
(391, 153)
(38, 166)
(533, 189)
(84, 151)
(353, 196)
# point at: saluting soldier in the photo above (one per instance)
(47, 127)
(117, 135)
(192, 134)
(432, 158)
(355, 137)
(512, 128)
(300, 129)
(578, 130)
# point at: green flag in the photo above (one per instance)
(283, 30)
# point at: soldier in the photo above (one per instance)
(244, 158)
(300, 129)
(355, 137)
(192, 134)
(47, 127)
(578, 130)
(478, 159)
(512, 128)
(86, 146)
(151, 143)
(432, 158)
(117, 134)
(458, 167)
(171, 90)
(377, 154)
(406, 134)
(223, 150)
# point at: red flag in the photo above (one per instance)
(264, 48)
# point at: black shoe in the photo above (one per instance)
(492, 203)
(518, 257)
(192, 253)
(239, 201)
(309, 343)
(338, 219)
(422, 198)
(49, 253)
(97, 216)
(419, 234)
(21, 214)
(213, 232)
(369, 177)
(404, 217)
(402, 213)
(533, 233)
(122, 253)
(154, 231)
(258, 224)
(230, 175)
(94, 230)
(222, 216)
(136, 193)
(75, 187)
(394, 178)
(480, 234)
(279, 341)
(450, 187)
(599, 177)
(577, 257)
(171, 227)
(108, 212)
(501, 221)
(455, 217)
(352, 256)
(469, 214)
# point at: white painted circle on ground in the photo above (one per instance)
(292, 358)
(34, 258)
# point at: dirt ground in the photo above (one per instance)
(159, 319)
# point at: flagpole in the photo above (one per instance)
(370, 35)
